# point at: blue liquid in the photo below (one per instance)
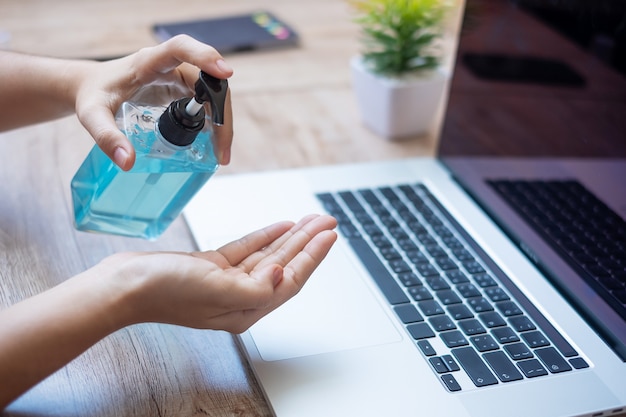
(144, 201)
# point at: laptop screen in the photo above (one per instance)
(538, 78)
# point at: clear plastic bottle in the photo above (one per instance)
(174, 159)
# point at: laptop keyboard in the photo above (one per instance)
(469, 320)
(587, 234)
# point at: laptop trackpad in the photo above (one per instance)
(335, 310)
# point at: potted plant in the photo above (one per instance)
(397, 79)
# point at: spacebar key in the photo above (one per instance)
(387, 284)
(476, 369)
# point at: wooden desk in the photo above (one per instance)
(291, 108)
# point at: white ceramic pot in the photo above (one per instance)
(398, 108)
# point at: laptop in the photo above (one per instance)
(487, 281)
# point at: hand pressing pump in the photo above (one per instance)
(174, 159)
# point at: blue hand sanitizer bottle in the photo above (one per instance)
(174, 159)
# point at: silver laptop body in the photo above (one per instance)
(345, 346)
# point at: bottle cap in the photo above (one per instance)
(178, 126)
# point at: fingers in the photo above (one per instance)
(300, 268)
(286, 249)
(267, 254)
(100, 123)
(180, 49)
(274, 244)
(235, 252)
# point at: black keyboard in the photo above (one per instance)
(468, 319)
(586, 233)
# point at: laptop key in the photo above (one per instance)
(532, 368)
(408, 313)
(441, 323)
(485, 280)
(420, 293)
(480, 304)
(399, 266)
(460, 312)
(409, 279)
(492, 319)
(471, 327)
(426, 348)
(379, 241)
(430, 307)
(509, 308)
(416, 257)
(552, 360)
(518, 351)
(502, 366)
(496, 294)
(453, 339)
(473, 267)
(457, 277)
(467, 290)
(390, 253)
(476, 369)
(450, 382)
(426, 269)
(407, 245)
(521, 323)
(535, 339)
(420, 331)
(372, 230)
(505, 335)
(437, 283)
(349, 230)
(448, 297)
(578, 363)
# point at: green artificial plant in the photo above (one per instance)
(399, 35)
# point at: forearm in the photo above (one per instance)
(36, 89)
(43, 333)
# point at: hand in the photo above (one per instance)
(229, 288)
(173, 67)
(226, 289)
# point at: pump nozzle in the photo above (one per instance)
(213, 90)
(184, 118)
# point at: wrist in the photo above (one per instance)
(110, 290)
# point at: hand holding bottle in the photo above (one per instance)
(175, 156)
(170, 69)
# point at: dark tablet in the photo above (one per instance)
(245, 32)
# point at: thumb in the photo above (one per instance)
(277, 274)
(270, 273)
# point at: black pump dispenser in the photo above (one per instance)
(183, 119)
